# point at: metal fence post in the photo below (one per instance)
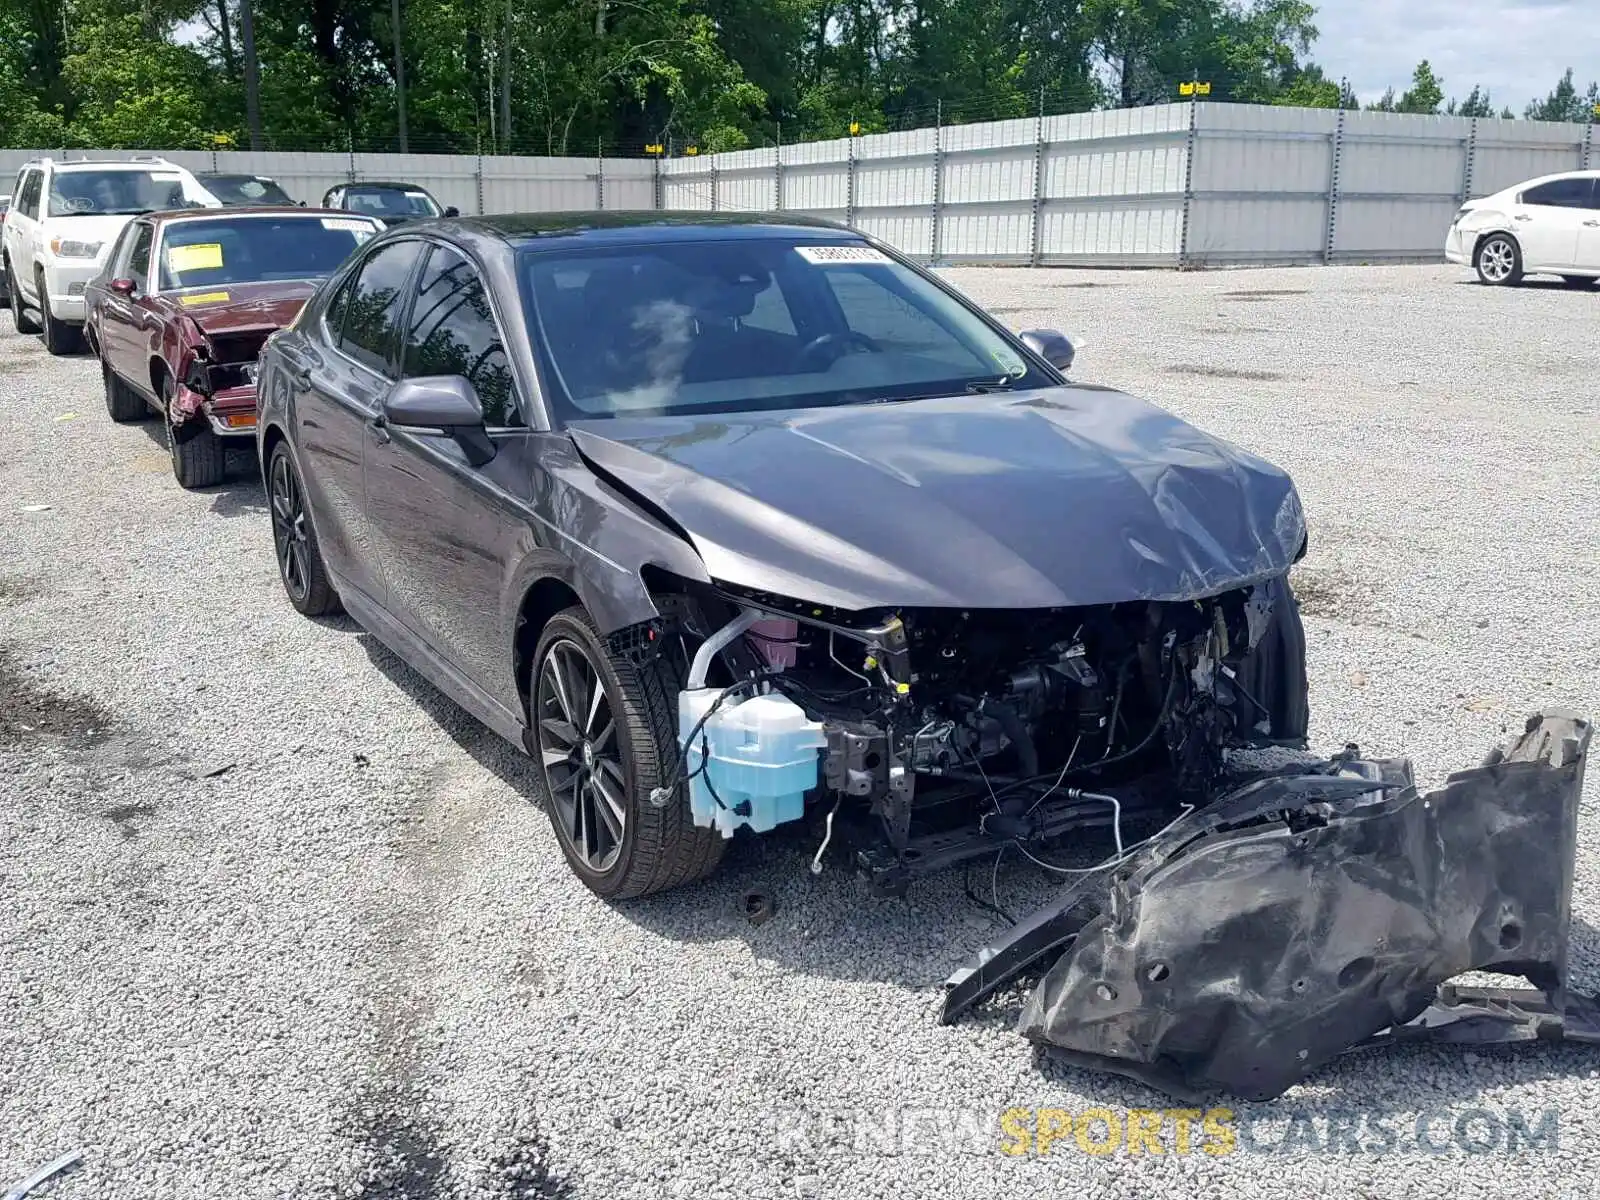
(1588, 147)
(1472, 154)
(850, 184)
(477, 176)
(934, 233)
(599, 176)
(777, 174)
(350, 161)
(715, 200)
(1331, 233)
(1190, 144)
(659, 191)
(1038, 183)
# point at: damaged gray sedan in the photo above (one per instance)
(733, 522)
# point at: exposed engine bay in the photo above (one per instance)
(945, 734)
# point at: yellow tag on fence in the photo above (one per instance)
(206, 256)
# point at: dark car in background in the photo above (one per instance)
(724, 518)
(179, 315)
(391, 203)
(244, 191)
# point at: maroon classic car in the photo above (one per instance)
(184, 305)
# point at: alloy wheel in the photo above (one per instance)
(581, 756)
(289, 528)
(1497, 260)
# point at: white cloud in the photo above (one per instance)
(1518, 49)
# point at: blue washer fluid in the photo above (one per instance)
(759, 757)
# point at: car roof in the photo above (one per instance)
(233, 175)
(1538, 179)
(107, 164)
(648, 225)
(380, 183)
(175, 215)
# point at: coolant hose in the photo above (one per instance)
(1017, 733)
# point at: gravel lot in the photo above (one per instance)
(276, 919)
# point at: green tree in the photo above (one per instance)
(1310, 88)
(1565, 103)
(1477, 104)
(1426, 92)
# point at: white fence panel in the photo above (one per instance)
(1191, 184)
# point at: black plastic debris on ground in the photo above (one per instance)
(1304, 915)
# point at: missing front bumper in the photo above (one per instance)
(1303, 915)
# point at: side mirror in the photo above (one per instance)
(450, 210)
(122, 287)
(446, 404)
(1051, 346)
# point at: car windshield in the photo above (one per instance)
(241, 249)
(751, 324)
(244, 189)
(388, 202)
(98, 193)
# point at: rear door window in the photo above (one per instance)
(376, 303)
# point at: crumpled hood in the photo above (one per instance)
(243, 308)
(1057, 497)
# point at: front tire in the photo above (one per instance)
(60, 338)
(605, 732)
(1499, 260)
(199, 459)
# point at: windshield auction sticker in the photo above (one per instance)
(842, 256)
(205, 256)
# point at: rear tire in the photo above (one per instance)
(198, 460)
(294, 539)
(658, 848)
(60, 338)
(122, 402)
(1499, 260)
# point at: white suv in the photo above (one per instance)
(1546, 226)
(64, 217)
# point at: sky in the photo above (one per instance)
(1518, 49)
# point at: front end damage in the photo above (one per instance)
(947, 735)
(1310, 912)
(216, 387)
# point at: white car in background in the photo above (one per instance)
(1546, 226)
(65, 215)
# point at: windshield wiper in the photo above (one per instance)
(975, 387)
(983, 386)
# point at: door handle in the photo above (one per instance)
(1522, 217)
(1593, 224)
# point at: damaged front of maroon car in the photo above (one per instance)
(189, 299)
(211, 347)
